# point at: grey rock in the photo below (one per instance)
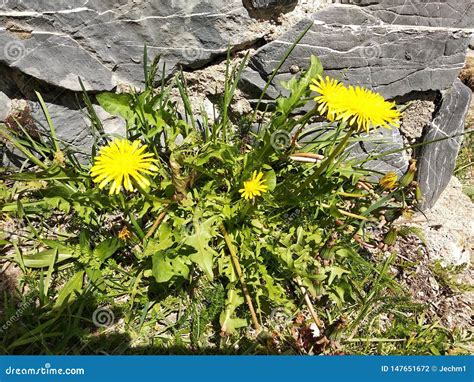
(273, 4)
(437, 13)
(57, 60)
(437, 160)
(72, 124)
(5, 104)
(395, 47)
(356, 47)
(379, 151)
(113, 126)
(269, 8)
(387, 146)
(103, 41)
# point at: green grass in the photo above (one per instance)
(465, 166)
(465, 163)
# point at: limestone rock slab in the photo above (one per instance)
(356, 46)
(437, 160)
(103, 41)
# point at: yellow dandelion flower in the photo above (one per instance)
(254, 187)
(356, 105)
(122, 163)
(332, 93)
(367, 109)
(389, 181)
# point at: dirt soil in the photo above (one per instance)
(449, 231)
(449, 299)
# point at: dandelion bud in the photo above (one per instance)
(410, 175)
(418, 193)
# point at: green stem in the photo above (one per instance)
(157, 223)
(240, 274)
(346, 213)
(135, 224)
(337, 151)
(244, 212)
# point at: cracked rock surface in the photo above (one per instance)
(359, 46)
(103, 41)
(438, 159)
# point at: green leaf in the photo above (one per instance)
(52, 129)
(63, 248)
(70, 290)
(107, 248)
(199, 240)
(226, 268)
(335, 272)
(270, 180)
(162, 241)
(154, 119)
(96, 278)
(116, 104)
(165, 267)
(299, 89)
(5, 133)
(57, 197)
(43, 259)
(337, 295)
(49, 274)
(229, 323)
(205, 259)
(434, 350)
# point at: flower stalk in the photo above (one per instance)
(324, 165)
(240, 274)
